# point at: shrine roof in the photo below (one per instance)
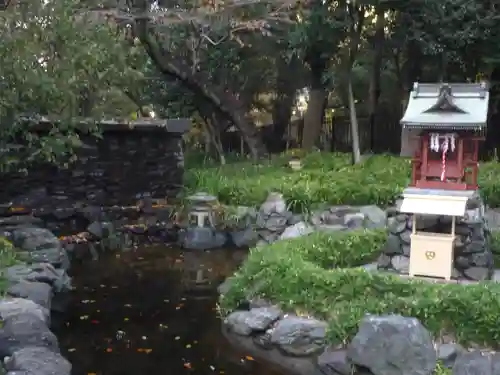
(447, 106)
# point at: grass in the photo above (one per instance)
(326, 178)
(299, 275)
(7, 259)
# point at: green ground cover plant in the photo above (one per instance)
(7, 259)
(318, 275)
(326, 178)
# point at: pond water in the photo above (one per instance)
(141, 312)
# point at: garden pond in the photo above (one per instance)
(152, 311)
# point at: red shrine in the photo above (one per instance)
(452, 120)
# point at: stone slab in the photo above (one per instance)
(453, 193)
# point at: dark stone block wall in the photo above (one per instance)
(127, 164)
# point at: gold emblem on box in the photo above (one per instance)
(430, 255)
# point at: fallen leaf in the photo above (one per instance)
(188, 346)
(187, 365)
(71, 350)
(177, 338)
(94, 321)
(125, 319)
(249, 358)
(84, 317)
(91, 373)
(147, 351)
(109, 350)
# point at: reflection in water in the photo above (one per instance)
(152, 312)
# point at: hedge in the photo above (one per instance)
(325, 178)
(298, 275)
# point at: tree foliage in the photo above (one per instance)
(225, 62)
(57, 61)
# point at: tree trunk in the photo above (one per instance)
(213, 126)
(312, 118)
(226, 102)
(282, 114)
(378, 47)
(86, 103)
(286, 88)
(314, 115)
(356, 151)
(214, 133)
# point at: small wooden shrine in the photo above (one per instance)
(452, 120)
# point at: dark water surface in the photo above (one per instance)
(136, 313)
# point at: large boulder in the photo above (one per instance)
(275, 203)
(37, 360)
(23, 330)
(299, 229)
(58, 279)
(14, 306)
(333, 362)
(39, 245)
(12, 222)
(246, 237)
(257, 319)
(40, 293)
(477, 363)
(298, 336)
(393, 345)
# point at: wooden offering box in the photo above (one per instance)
(431, 254)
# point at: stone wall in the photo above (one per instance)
(130, 161)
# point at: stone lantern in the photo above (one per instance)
(201, 232)
(201, 210)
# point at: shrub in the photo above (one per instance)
(325, 178)
(327, 250)
(296, 276)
